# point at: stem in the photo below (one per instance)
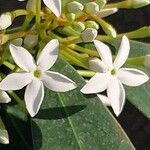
(86, 73)
(123, 4)
(38, 10)
(136, 61)
(19, 12)
(9, 65)
(84, 50)
(71, 40)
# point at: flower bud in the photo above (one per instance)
(74, 7)
(92, 24)
(3, 39)
(71, 16)
(5, 20)
(89, 34)
(140, 3)
(91, 8)
(31, 5)
(78, 26)
(31, 40)
(17, 42)
(102, 3)
(147, 61)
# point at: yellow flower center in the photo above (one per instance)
(113, 72)
(37, 73)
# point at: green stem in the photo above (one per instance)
(71, 40)
(84, 50)
(38, 10)
(86, 73)
(19, 12)
(123, 4)
(9, 65)
(136, 61)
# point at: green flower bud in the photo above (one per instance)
(102, 3)
(3, 39)
(71, 16)
(31, 5)
(140, 3)
(17, 42)
(78, 26)
(31, 40)
(92, 24)
(91, 8)
(89, 34)
(74, 7)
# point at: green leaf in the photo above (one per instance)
(73, 121)
(139, 96)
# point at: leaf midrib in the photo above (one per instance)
(69, 120)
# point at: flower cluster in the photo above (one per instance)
(66, 31)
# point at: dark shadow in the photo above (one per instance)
(37, 140)
(59, 112)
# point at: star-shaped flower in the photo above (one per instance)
(35, 75)
(111, 77)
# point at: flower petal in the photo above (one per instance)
(54, 6)
(122, 53)
(49, 55)
(116, 94)
(4, 98)
(22, 58)
(34, 95)
(15, 81)
(105, 100)
(97, 65)
(132, 77)
(106, 12)
(5, 21)
(104, 52)
(4, 138)
(96, 84)
(57, 82)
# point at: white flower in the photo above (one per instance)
(54, 6)
(110, 76)
(36, 75)
(5, 21)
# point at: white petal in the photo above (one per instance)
(122, 53)
(49, 55)
(4, 98)
(105, 100)
(116, 94)
(5, 21)
(57, 82)
(4, 139)
(104, 52)
(97, 65)
(15, 81)
(132, 77)
(22, 58)
(106, 12)
(96, 84)
(54, 6)
(34, 95)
